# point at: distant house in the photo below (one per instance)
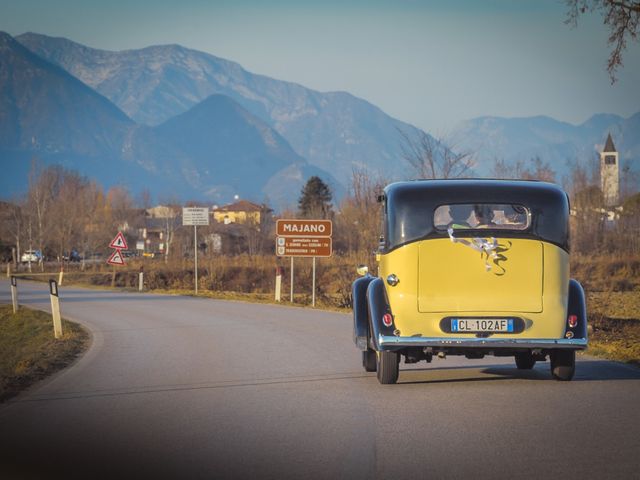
(159, 225)
(162, 211)
(241, 211)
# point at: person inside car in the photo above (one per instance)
(459, 216)
(484, 216)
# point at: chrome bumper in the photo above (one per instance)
(387, 342)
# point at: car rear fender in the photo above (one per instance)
(360, 311)
(378, 304)
(577, 306)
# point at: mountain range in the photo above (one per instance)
(46, 112)
(334, 131)
(189, 125)
(557, 143)
(214, 150)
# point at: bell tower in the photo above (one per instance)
(609, 174)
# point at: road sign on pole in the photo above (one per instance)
(195, 216)
(304, 238)
(116, 258)
(119, 242)
(195, 255)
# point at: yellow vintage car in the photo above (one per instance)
(473, 268)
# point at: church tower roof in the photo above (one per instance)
(609, 147)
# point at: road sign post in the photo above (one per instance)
(119, 243)
(304, 238)
(195, 216)
(55, 308)
(313, 284)
(195, 255)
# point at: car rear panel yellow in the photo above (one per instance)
(509, 280)
(534, 286)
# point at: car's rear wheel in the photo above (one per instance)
(369, 360)
(563, 364)
(388, 367)
(525, 360)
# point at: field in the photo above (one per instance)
(615, 318)
(29, 350)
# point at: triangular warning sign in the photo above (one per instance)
(116, 258)
(119, 242)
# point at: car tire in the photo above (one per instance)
(563, 364)
(525, 360)
(369, 360)
(388, 367)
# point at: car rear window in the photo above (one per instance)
(482, 216)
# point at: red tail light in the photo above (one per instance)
(387, 319)
(573, 321)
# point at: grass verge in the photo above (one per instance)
(28, 350)
(614, 318)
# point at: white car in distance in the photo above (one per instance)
(29, 256)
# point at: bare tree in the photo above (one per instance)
(16, 225)
(630, 223)
(434, 157)
(587, 202)
(95, 226)
(534, 169)
(120, 204)
(358, 222)
(629, 178)
(583, 174)
(259, 231)
(68, 215)
(622, 17)
(43, 187)
(171, 222)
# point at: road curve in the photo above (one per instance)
(179, 387)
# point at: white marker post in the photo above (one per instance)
(55, 309)
(141, 279)
(14, 294)
(278, 283)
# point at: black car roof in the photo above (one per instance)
(486, 190)
(547, 202)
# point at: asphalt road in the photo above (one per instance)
(177, 387)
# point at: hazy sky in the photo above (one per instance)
(431, 63)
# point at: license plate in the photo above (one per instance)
(482, 325)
